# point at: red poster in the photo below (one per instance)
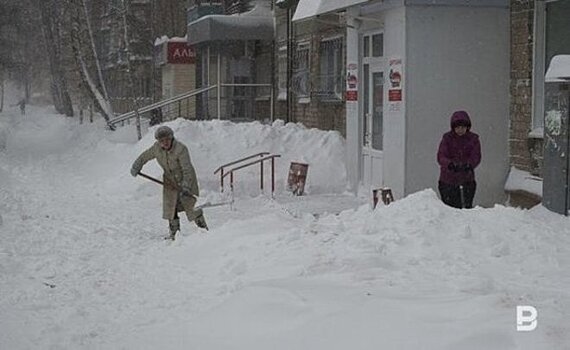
(394, 95)
(181, 53)
(352, 95)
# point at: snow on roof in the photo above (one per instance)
(174, 39)
(161, 40)
(559, 69)
(310, 8)
(519, 180)
(258, 24)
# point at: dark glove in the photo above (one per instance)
(135, 171)
(466, 168)
(452, 167)
(185, 192)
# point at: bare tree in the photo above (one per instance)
(51, 15)
(82, 42)
(127, 47)
(19, 46)
(94, 50)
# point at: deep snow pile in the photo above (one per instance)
(82, 263)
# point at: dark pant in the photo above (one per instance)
(451, 194)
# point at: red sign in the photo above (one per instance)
(181, 53)
(352, 95)
(395, 95)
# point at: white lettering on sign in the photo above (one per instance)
(527, 318)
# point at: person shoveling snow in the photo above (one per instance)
(180, 185)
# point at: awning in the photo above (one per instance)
(257, 24)
(307, 9)
(559, 69)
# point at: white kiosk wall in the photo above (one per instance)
(457, 58)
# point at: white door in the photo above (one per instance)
(373, 109)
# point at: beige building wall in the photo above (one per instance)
(178, 79)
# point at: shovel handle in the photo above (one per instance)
(157, 180)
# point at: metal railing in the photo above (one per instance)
(172, 108)
(265, 156)
(133, 114)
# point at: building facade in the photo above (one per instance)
(539, 32)
(391, 74)
(233, 41)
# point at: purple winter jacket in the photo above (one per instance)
(459, 150)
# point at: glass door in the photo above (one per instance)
(373, 109)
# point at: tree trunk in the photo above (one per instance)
(60, 93)
(1, 90)
(101, 103)
(94, 50)
(130, 72)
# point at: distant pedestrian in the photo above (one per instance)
(458, 155)
(22, 105)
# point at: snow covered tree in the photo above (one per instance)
(52, 14)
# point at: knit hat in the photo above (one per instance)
(163, 132)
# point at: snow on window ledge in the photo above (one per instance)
(536, 133)
(519, 180)
(282, 96)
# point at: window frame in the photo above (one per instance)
(327, 46)
(302, 72)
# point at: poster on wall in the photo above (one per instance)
(395, 89)
(352, 82)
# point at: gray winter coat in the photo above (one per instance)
(178, 174)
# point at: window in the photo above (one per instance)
(282, 73)
(331, 82)
(300, 80)
(377, 46)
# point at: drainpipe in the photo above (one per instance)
(289, 65)
(219, 84)
(567, 165)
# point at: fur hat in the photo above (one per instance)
(163, 132)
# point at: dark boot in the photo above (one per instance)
(201, 222)
(174, 226)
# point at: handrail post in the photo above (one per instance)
(222, 180)
(232, 181)
(261, 177)
(273, 177)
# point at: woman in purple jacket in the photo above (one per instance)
(458, 155)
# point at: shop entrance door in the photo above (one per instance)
(372, 150)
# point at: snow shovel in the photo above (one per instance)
(157, 180)
(201, 206)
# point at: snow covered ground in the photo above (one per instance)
(83, 264)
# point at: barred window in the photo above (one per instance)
(300, 81)
(331, 82)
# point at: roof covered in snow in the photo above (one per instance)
(559, 69)
(310, 8)
(176, 39)
(519, 180)
(257, 24)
